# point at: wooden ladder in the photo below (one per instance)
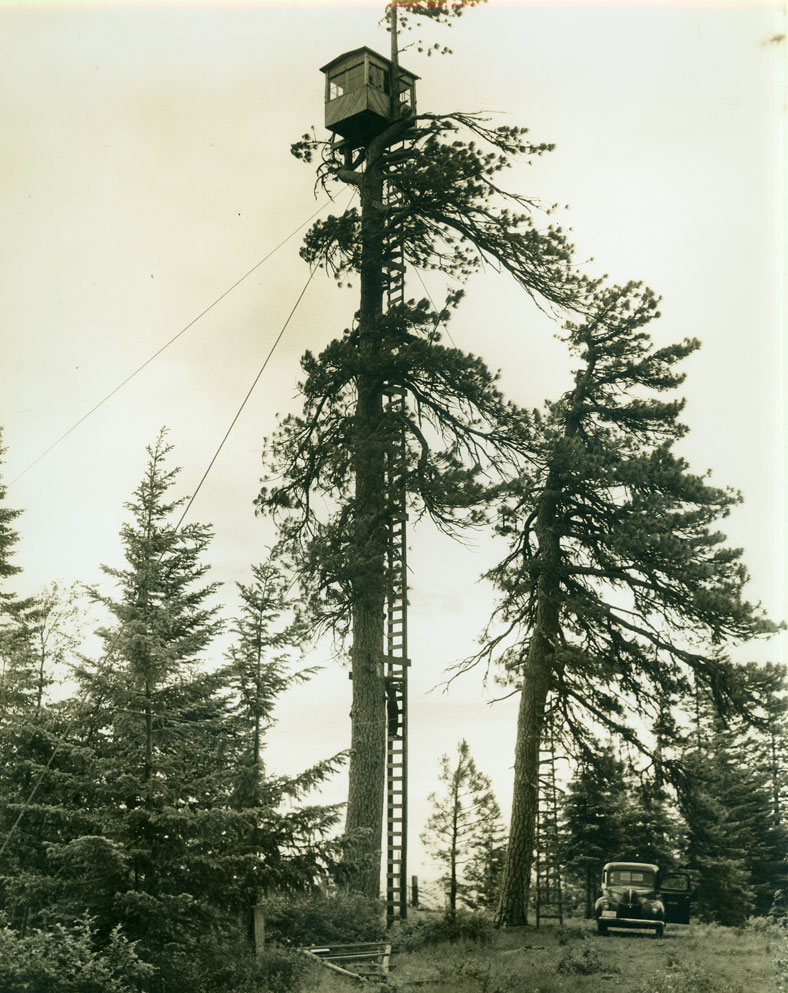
(549, 890)
(396, 660)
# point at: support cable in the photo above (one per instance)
(164, 347)
(245, 399)
(108, 656)
(429, 297)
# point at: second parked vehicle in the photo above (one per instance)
(638, 895)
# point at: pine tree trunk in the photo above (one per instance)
(537, 676)
(453, 849)
(368, 712)
(257, 734)
(368, 751)
(522, 831)
(775, 774)
(148, 769)
(40, 682)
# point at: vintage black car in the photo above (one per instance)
(638, 895)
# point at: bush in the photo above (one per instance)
(320, 918)
(582, 961)
(464, 925)
(282, 970)
(66, 960)
(232, 967)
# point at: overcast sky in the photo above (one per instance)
(146, 169)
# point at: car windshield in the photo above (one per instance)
(630, 877)
(675, 883)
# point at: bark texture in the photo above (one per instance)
(537, 678)
(368, 712)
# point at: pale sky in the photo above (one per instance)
(146, 168)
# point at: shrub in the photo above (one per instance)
(464, 925)
(221, 966)
(582, 961)
(320, 918)
(281, 970)
(778, 911)
(65, 960)
(211, 964)
(564, 935)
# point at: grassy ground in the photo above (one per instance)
(573, 959)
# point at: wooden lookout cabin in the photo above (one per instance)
(358, 102)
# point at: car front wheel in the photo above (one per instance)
(601, 928)
(659, 930)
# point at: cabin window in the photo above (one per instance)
(345, 81)
(378, 77)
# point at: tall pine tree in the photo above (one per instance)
(616, 578)
(429, 183)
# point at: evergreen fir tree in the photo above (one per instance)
(8, 538)
(269, 635)
(651, 825)
(48, 796)
(12, 641)
(768, 734)
(44, 646)
(42, 783)
(144, 816)
(593, 819)
(484, 870)
(464, 830)
(726, 805)
(163, 613)
(766, 747)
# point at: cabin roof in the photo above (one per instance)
(370, 51)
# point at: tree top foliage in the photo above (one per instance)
(456, 434)
(448, 208)
(611, 527)
(163, 608)
(437, 10)
(407, 13)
